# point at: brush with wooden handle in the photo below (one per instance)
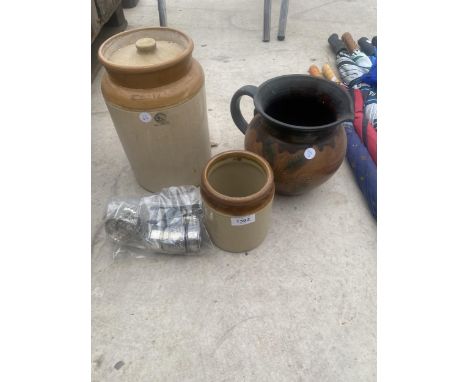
(330, 74)
(348, 40)
(326, 72)
(314, 71)
(357, 56)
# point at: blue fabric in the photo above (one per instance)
(363, 167)
(371, 77)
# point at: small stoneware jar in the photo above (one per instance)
(297, 128)
(154, 90)
(237, 188)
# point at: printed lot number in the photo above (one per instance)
(242, 220)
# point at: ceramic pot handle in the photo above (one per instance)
(236, 114)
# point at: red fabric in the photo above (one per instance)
(371, 133)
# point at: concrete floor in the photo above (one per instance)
(302, 306)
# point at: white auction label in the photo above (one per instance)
(242, 220)
(145, 117)
(309, 153)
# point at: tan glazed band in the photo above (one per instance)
(159, 85)
(237, 206)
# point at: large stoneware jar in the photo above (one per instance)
(154, 90)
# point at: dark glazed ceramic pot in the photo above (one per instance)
(297, 127)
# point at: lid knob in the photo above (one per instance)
(146, 45)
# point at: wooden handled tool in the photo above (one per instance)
(314, 71)
(351, 45)
(330, 74)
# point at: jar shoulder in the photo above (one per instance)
(162, 96)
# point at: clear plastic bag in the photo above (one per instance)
(170, 222)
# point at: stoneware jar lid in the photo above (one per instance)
(145, 48)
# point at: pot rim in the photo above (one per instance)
(243, 204)
(347, 117)
(146, 68)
